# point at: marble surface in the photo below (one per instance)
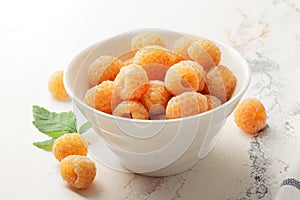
(38, 38)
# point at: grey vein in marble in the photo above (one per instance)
(259, 168)
(289, 3)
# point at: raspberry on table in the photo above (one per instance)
(56, 86)
(186, 104)
(181, 46)
(147, 39)
(69, 144)
(250, 115)
(104, 68)
(78, 171)
(212, 102)
(132, 110)
(156, 60)
(206, 53)
(131, 83)
(156, 98)
(221, 82)
(100, 96)
(183, 77)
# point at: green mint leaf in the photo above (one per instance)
(86, 126)
(53, 124)
(46, 145)
(40, 113)
(48, 129)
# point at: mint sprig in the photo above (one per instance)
(55, 125)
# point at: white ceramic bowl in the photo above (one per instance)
(160, 147)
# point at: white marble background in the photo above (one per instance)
(39, 37)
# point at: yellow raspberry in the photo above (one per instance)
(156, 98)
(183, 77)
(156, 71)
(205, 90)
(158, 117)
(221, 82)
(78, 171)
(200, 73)
(129, 61)
(131, 83)
(100, 96)
(206, 53)
(156, 55)
(250, 115)
(146, 39)
(69, 144)
(132, 110)
(212, 102)
(181, 46)
(56, 86)
(186, 104)
(156, 60)
(127, 58)
(127, 55)
(104, 68)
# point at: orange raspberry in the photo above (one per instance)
(56, 85)
(100, 96)
(221, 82)
(250, 115)
(186, 104)
(156, 98)
(181, 46)
(183, 77)
(146, 39)
(131, 83)
(132, 110)
(156, 60)
(206, 53)
(104, 68)
(69, 144)
(212, 102)
(78, 171)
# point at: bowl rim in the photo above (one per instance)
(233, 99)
